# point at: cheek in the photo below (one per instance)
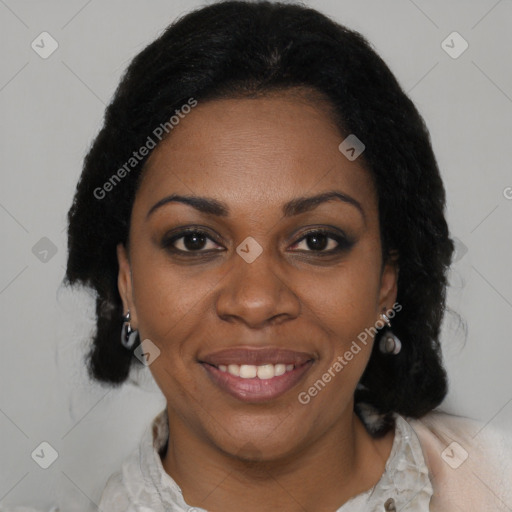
(167, 297)
(167, 306)
(346, 300)
(345, 305)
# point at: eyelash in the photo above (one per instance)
(344, 243)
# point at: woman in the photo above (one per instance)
(262, 219)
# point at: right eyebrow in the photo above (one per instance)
(203, 204)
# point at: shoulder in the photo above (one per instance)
(470, 462)
(114, 497)
(132, 488)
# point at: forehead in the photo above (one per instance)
(264, 149)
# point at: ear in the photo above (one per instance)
(388, 283)
(124, 284)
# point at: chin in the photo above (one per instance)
(265, 444)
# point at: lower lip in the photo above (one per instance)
(255, 389)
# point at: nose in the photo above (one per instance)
(257, 293)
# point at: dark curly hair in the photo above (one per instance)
(245, 49)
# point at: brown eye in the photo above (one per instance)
(323, 241)
(190, 240)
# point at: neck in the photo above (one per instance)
(342, 463)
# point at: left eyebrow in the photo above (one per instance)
(308, 203)
(294, 207)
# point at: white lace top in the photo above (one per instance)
(142, 485)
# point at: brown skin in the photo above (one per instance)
(254, 155)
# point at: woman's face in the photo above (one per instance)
(249, 286)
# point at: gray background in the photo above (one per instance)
(52, 108)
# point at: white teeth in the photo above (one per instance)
(266, 371)
(249, 371)
(234, 369)
(280, 369)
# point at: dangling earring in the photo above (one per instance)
(389, 343)
(128, 335)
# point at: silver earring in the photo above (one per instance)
(386, 319)
(128, 335)
(389, 343)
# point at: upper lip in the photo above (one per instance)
(256, 357)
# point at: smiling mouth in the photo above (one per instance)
(259, 382)
(250, 371)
